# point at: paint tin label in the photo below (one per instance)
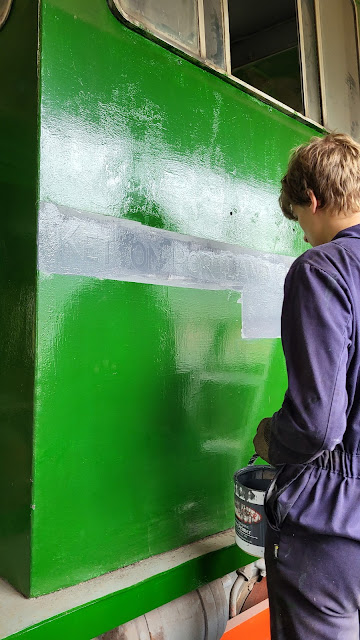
(251, 484)
(248, 515)
(250, 523)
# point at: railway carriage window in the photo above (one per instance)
(303, 53)
(177, 21)
(264, 48)
(196, 26)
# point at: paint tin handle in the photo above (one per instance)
(253, 459)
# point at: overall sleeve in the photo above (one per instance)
(316, 325)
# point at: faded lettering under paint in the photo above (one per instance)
(72, 242)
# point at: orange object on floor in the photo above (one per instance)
(253, 624)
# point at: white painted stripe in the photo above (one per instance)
(76, 243)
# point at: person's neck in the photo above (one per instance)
(339, 222)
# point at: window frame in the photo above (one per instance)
(149, 31)
(309, 64)
(147, 28)
(5, 12)
(322, 81)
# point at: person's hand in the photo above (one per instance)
(262, 439)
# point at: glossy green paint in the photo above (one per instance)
(146, 397)
(165, 387)
(18, 180)
(130, 129)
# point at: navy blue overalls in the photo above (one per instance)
(313, 542)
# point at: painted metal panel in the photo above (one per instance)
(18, 176)
(147, 396)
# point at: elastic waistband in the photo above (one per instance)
(347, 464)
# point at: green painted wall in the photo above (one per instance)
(18, 176)
(146, 396)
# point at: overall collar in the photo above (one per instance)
(349, 232)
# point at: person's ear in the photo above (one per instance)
(314, 204)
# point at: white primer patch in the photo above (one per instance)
(73, 242)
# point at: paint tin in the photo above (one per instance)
(251, 484)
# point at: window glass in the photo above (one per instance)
(214, 32)
(177, 21)
(339, 65)
(265, 50)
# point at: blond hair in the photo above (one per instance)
(328, 166)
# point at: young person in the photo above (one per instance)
(313, 509)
